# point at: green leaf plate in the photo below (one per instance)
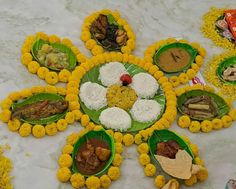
(223, 108)
(62, 48)
(93, 76)
(223, 65)
(36, 98)
(164, 136)
(193, 52)
(102, 135)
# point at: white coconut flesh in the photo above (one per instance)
(93, 95)
(144, 85)
(145, 110)
(115, 118)
(110, 73)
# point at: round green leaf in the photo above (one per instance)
(93, 76)
(101, 135)
(223, 108)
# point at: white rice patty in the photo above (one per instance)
(110, 73)
(93, 95)
(145, 110)
(145, 85)
(115, 118)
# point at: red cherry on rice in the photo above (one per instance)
(126, 79)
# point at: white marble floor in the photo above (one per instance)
(35, 161)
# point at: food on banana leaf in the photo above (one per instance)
(168, 148)
(108, 33)
(229, 73)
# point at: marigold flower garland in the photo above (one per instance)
(208, 28)
(211, 76)
(205, 126)
(184, 77)
(93, 46)
(160, 180)
(6, 167)
(128, 139)
(34, 67)
(38, 131)
(65, 174)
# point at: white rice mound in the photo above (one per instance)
(144, 85)
(110, 73)
(93, 95)
(115, 118)
(145, 110)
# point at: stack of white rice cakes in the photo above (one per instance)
(121, 97)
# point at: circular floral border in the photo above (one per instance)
(38, 131)
(209, 31)
(77, 180)
(92, 45)
(150, 169)
(211, 76)
(189, 74)
(128, 139)
(34, 67)
(205, 126)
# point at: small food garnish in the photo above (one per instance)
(126, 79)
(229, 73)
(168, 149)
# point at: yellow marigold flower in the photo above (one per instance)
(113, 173)
(72, 97)
(64, 75)
(150, 170)
(90, 44)
(14, 96)
(54, 39)
(206, 126)
(97, 50)
(71, 139)
(202, 175)
(85, 36)
(144, 134)
(217, 124)
(128, 139)
(37, 89)
(121, 21)
(199, 60)
(195, 67)
(144, 159)
(70, 117)
(164, 122)
(67, 42)
(77, 180)
(26, 58)
(105, 181)
(50, 89)
(61, 91)
(118, 147)
(13, 125)
(126, 49)
(74, 105)
(232, 114)
(51, 129)
(51, 78)
(72, 90)
(110, 132)
(5, 116)
(184, 121)
(198, 161)
(62, 125)
(138, 139)
(153, 69)
(179, 91)
(93, 182)
(195, 126)
(191, 181)
(33, 67)
(65, 160)
(117, 161)
(160, 181)
(118, 137)
(77, 114)
(194, 149)
(42, 36)
(131, 43)
(227, 121)
(143, 148)
(38, 131)
(174, 81)
(6, 103)
(42, 71)
(183, 77)
(163, 80)
(68, 149)
(191, 73)
(202, 51)
(25, 129)
(84, 120)
(75, 50)
(24, 93)
(97, 127)
(81, 58)
(64, 174)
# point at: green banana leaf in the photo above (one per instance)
(164, 136)
(193, 52)
(223, 108)
(101, 135)
(132, 69)
(62, 48)
(221, 68)
(36, 98)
